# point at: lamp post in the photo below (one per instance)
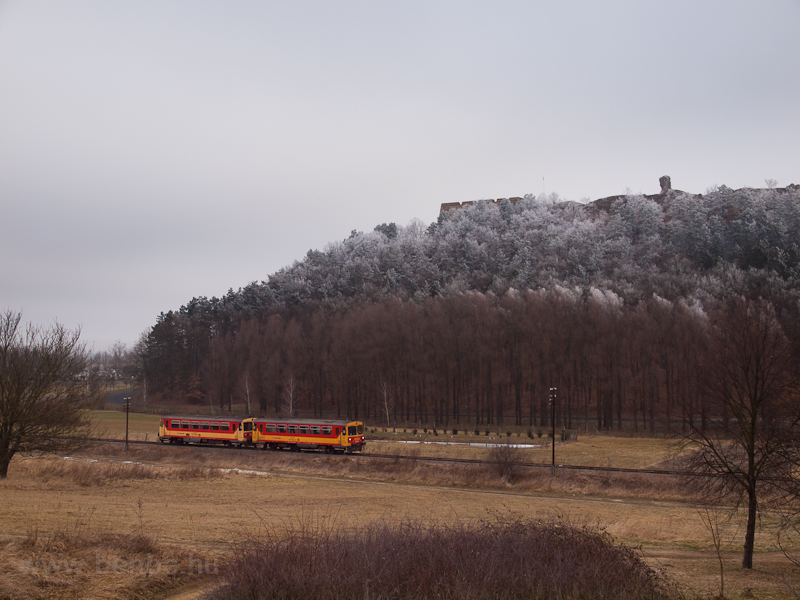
(127, 412)
(553, 396)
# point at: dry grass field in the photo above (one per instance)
(594, 451)
(111, 424)
(161, 521)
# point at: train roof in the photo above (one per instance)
(301, 421)
(260, 419)
(202, 418)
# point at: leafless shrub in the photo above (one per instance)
(413, 455)
(70, 535)
(505, 460)
(138, 543)
(516, 559)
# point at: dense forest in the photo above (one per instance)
(471, 321)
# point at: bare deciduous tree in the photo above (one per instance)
(244, 392)
(289, 405)
(119, 352)
(385, 401)
(787, 536)
(44, 389)
(747, 383)
(713, 519)
(143, 390)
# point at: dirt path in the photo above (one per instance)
(193, 591)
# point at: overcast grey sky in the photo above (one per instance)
(152, 151)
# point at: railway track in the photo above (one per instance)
(431, 459)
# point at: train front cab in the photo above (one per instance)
(353, 436)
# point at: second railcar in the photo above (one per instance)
(197, 429)
(294, 434)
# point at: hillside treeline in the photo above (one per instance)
(473, 319)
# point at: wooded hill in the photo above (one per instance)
(472, 319)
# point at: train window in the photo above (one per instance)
(195, 424)
(214, 426)
(360, 429)
(304, 429)
(224, 427)
(314, 430)
(248, 426)
(327, 430)
(176, 424)
(184, 424)
(270, 427)
(281, 428)
(204, 425)
(336, 431)
(352, 430)
(292, 428)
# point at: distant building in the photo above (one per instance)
(448, 206)
(606, 205)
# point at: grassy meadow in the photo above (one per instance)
(162, 521)
(111, 424)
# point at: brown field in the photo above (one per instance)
(111, 424)
(189, 506)
(594, 451)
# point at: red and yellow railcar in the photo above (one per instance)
(185, 429)
(294, 434)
